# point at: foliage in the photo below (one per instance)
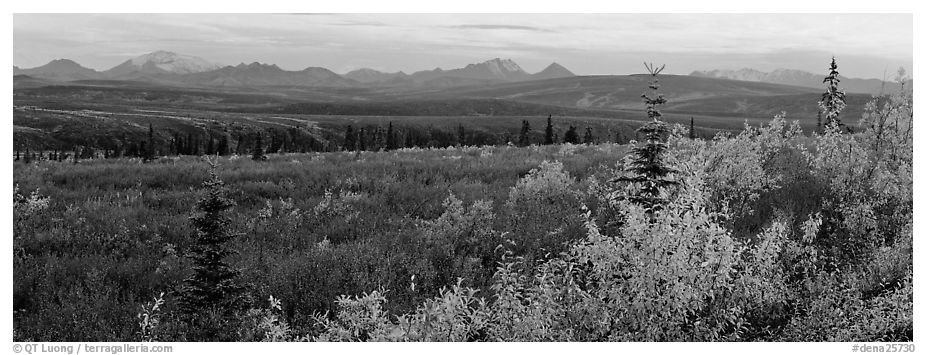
(541, 208)
(769, 235)
(460, 242)
(150, 318)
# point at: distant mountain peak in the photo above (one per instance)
(552, 71)
(367, 75)
(171, 62)
(498, 65)
(59, 69)
(797, 78)
(63, 61)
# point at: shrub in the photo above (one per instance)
(460, 242)
(540, 211)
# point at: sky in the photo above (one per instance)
(865, 45)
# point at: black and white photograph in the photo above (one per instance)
(596, 177)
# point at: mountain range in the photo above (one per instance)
(164, 67)
(173, 69)
(800, 78)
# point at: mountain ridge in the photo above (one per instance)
(164, 67)
(799, 78)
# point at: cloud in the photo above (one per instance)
(586, 43)
(502, 27)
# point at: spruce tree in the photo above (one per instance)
(648, 167)
(524, 138)
(691, 131)
(461, 135)
(361, 140)
(832, 102)
(258, 152)
(548, 133)
(589, 138)
(210, 147)
(390, 138)
(212, 286)
(222, 148)
(148, 154)
(350, 139)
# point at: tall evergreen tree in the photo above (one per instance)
(548, 133)
(350, 139)
(832, 102)
(222, 148)
(361, 140)
(390, 138)
(524, 138)
(461, 135)
(148, 154)
(691, 131)
(258, 152)
(212, 286)
(648, 167)
(210, 147)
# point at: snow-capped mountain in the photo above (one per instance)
(164, 62)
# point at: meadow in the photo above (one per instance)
(794, 233)
(767, 233)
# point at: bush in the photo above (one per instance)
(541, 210)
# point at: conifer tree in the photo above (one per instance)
(691, 131)
(548, 133)
(222, 148)
(524, 138)
(148, 152)
(350, 139)
(212, 285)
(390, 138)
(210, 147)
(832, 102)
(461, 135)
(258, 152)
(361, 140)
(648, 167)
(588, 138)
